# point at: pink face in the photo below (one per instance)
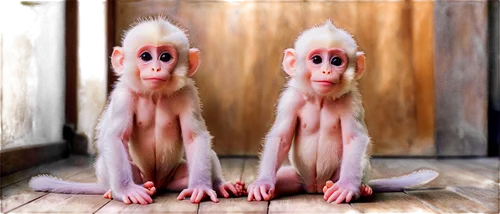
(156, 64)
(326, 67)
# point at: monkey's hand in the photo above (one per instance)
(197, 194)
(261, 189)
(222, 188)
(137, 194)
(340, 191)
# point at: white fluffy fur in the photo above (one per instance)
(396, 184)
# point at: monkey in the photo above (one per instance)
(320, 124)
(153, 115)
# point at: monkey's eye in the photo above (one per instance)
(317, 59)
(337, 61)
(146, 56)
(165, 57)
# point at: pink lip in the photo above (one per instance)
(324, 83)
(155, 79)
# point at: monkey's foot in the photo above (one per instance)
(365, 190)
(240, 187)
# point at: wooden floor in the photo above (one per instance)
(464, 185)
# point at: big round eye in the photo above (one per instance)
(146, 56)
(317, 59)
(165, 57)
(337, 61)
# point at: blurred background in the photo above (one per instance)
(431, 87)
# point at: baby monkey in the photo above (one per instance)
(320, 123)
(153, 115)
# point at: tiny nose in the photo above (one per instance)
(327, 72)
(157, 69)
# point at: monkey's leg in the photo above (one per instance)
(288, 182)
(180, 179)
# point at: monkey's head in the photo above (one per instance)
(325, 61)
(155, 57)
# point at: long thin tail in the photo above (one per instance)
(46, 183)
(397, 184)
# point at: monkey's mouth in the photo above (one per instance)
(154, 79)
(324, 83)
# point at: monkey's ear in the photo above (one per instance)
(193, 61)
(289, 62)
(360, 65)
(117, 59)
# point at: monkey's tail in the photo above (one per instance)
(46, 183)
(397, 184)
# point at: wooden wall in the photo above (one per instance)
(241, 50)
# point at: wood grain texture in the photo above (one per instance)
(302, 204)
(460, 77)
(16, 195)
(445, 201)
(164, 203)
(488, 197)
(64, 203)
(390, 203)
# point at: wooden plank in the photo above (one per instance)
(232, 168)
(16, 195)
(445, 201)
(469, 165)
(448, 175)
(486, 196)
(389, 87)
(307, 203)
(490, 163)
(390, 203)
(53, 202)
(460, 77)
(165, 203)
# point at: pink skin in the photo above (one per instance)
(178, 116)
(323, 126)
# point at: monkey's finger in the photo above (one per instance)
(328, 193)
(132, 198)
(139, 198)
(342, 196)
(334, 196)
(349, 197)
(146, 197)
(232, 189)
(250, 194)
(271, 193)
(263, 191)
(325, 189)
(329, 184)
(223, 192)
(213, 196)
(257, 194)
(184, 193)
(151, 191)
(200, 195)
(126, 200)
(193, 196)
(149, 185)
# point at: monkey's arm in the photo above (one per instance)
(277, 145)
(114, 130)
(355, 143)
(198, 148)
